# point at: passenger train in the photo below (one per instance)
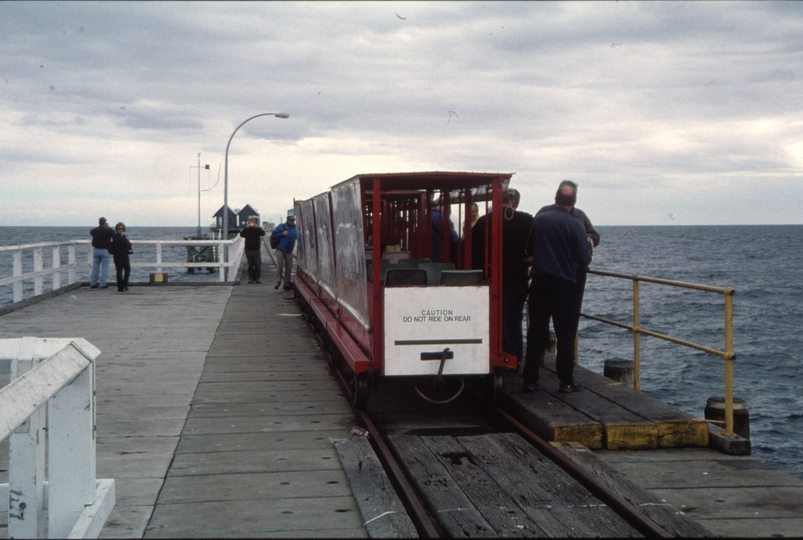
(388, 284)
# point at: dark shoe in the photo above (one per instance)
(250, 281)
(93, 286)
(257, 281)
(276, 286)
(569, 388)
(126, 289)
(529, 388)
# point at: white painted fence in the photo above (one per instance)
(234, 248)
(51, 400)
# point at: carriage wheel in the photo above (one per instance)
(359, 390)
(496, 385)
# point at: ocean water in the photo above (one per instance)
(761, 262)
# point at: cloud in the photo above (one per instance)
(646, 104)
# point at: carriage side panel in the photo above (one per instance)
(350, 251)
(307, 245)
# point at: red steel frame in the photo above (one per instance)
(394, 219)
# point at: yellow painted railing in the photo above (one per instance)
(726, 354)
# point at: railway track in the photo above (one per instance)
(469, 469)
(510, 482)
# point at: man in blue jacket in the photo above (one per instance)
(558, 245)
(286, 233)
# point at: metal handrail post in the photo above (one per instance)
(636, 337)
(17, 287)
(56, 264)
(38, 266)
(71, 263)
(90, 255)
(729, 363)
(158, 257)
(221, 248)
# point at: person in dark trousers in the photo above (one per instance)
(515, 268)
(558, 245)
(121, 249)
(286, 234)
(101, 244)
(591, 234)
(253, 234)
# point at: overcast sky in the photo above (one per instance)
(665, 113)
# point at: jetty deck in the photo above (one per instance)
(217, 417)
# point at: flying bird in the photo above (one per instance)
(399, 16)
(671, 217)
(450, 115)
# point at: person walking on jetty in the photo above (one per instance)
(591, 234)
(101, 244)
(253, 249)
(558, 245)
(284, 237)
(121, 249)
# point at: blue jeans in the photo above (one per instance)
(100, 265)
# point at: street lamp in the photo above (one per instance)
(226, 177)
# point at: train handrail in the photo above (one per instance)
(726, 354)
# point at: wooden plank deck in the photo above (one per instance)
(523, 494)
(216, 417)
(216, 414)
(607, 415)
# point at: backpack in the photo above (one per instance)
(274, 240)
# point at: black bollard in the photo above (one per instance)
(715, 410)
(622, 371)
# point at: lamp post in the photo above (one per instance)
(226, 177)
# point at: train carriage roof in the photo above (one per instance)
(453, 182)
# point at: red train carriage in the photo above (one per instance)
(391, 291)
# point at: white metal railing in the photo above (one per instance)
(51, 400)
(38, 274)
(235, 250)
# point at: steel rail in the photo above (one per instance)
(421, 518)
(631, 514)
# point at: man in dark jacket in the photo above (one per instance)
(101, 244)
(286, 233)
(121, 249)
(515, 228)
(253, 249)
(591, 233)
(558, 245)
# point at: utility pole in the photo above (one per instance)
(198, 232)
